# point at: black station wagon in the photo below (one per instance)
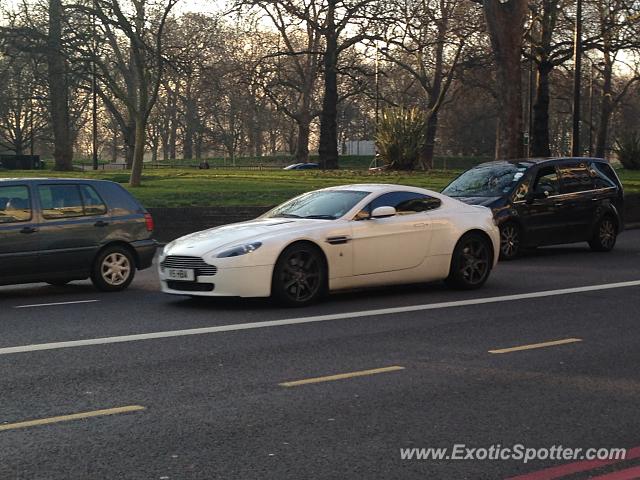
(547, 201)
(60, 230)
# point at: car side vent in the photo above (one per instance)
(201, 267)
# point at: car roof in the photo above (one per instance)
(530, 162)
(53, 180)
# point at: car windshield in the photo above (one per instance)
(321, 205)
(489, 180)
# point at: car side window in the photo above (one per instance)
(15, 204)
(602, 175)
(547, 183)
(93, 204)
(575, 178)
(60, 201)
(405, 203)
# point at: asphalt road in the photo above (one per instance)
(210, 404)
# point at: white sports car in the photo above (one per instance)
(334, 239)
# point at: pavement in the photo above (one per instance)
(139, 385)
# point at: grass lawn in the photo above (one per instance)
(191, 187)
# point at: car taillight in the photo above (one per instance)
(149, 222)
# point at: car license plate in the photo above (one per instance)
(180, 274)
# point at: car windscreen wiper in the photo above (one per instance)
(286, 215)
(320, 217)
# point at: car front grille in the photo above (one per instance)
(201, 267)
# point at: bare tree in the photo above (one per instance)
(505, 24)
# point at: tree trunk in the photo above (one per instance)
(302, 144)
(138, 155)
(426, 156)
(606, 110)
(129, 143)
(505, 22)
(540, 143)
(329, 117)
(58, 90)
(191, 119)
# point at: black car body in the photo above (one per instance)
(59, 230)
(547, 201)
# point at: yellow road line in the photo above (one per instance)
(68, 418)
(537, 345)
(341, 376)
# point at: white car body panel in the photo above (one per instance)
(401, 249)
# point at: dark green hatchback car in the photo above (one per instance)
(60, 230)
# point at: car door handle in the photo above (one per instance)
(419, 225)
(100, 223)
(28, 230)
(559, 204)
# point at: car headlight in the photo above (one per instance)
(240, 250)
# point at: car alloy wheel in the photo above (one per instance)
(299, 276)
(509, 241)
(606, 234)
(475, 262)
(471, 262)
(113, 269)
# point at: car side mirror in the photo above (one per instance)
(383, 212)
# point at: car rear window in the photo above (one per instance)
(15, 204)
(603, 176)
(93, 204)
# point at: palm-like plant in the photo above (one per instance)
(401, 137)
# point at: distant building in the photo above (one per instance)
(359, 148)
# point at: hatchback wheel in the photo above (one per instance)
(471, 262)
(604, 235)
(299, 277)
(113, 269)
(510, 241)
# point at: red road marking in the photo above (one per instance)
(629, 474)
(577, 467)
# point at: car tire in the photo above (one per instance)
(471, 262)
(605, 235)
(299, 276)
(58, 283)
(113, 269)
(510, 241)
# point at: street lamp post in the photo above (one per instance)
(577, 84)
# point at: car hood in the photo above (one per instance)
(201, 243)
(483, 201)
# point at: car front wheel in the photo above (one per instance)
(299, 276)
(471, 262)
(510, 241)
(604, 236)
(113, 269)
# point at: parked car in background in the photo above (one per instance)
(547, 201)
(302, 166)
(337, 238)
(60, 230)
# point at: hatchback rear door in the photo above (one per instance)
(74, 220)
(578, 205)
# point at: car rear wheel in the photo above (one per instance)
(510, 241)
(113, 269)
(604, 235)
(471, 262)
(299, 276)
